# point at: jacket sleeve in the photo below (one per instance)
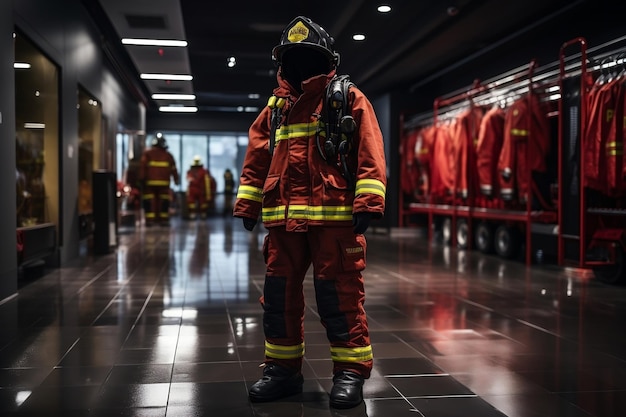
(174, 171)
(371, 175)
(256, 165)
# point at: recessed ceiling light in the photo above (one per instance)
(153, 42)
(21, 65)
(384, 8)
(172, 77)
(173, 97)
(178, 109)
(358, 37)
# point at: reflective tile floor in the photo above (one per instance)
(170, 325)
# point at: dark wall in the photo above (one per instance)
(67, 34)
(8, 254)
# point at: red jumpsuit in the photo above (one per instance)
(307, 206)
(443, 172)
(423, 156)
(198, 190)
(157, 167)
(526, 144)
(410, 178)
(490, 135)
(464, 138)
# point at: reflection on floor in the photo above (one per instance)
(170, 325)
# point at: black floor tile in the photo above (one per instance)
(170, 325)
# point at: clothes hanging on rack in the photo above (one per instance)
(442, 168)
(464, 140)
(526, 131)
(410, 170)
(490, 137)
(603, 137)
(423, 155)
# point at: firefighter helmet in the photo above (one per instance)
(302, 31)
(197, 161)
(159, 140)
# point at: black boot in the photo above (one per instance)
(347, 390)
(277, 382)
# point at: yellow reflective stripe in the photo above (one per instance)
(296, 130)
(358, 354)
(338, 213)
(161, 164)
(249, 192)
(369, 186)
(284, 352)
(304, 212)
(158, 183)
(519, 132)
(150, 215)
(148, 196)
(269, 214)
(614, 148)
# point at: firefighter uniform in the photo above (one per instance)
(490, 136)
(156, 168)
(442, 168)
(465, 137)
(524, 149)
(309, 205)
(198, 189)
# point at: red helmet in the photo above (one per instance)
(303, 32)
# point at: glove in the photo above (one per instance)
(361, 222)
(248, 223)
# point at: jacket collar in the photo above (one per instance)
(313, 84)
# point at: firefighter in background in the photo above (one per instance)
(316, 201)
(198, 189)
(157, 168)
(229, 189)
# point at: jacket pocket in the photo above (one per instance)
(353, 253)
(271, 191)
(336, 190)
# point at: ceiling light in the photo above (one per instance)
(173, 97)
(171, 77)
(254, 96)
(178, 109)
(153, 42)
(358, 37)
(28, 125)
(384, 8)
(21, 65)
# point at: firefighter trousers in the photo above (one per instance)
(338, 257)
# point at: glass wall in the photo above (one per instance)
(37, 135)
(217, 153)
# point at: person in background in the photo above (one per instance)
(316, 195)
(198, 189)
(229, 189)
(157, 169)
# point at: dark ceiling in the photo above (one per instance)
(417, 44)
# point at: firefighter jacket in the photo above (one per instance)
(199, 182)
(525, 146)
(465, 138)
(490, 135)
(295, 187)
(157, 166)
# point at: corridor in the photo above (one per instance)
(170, 325)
